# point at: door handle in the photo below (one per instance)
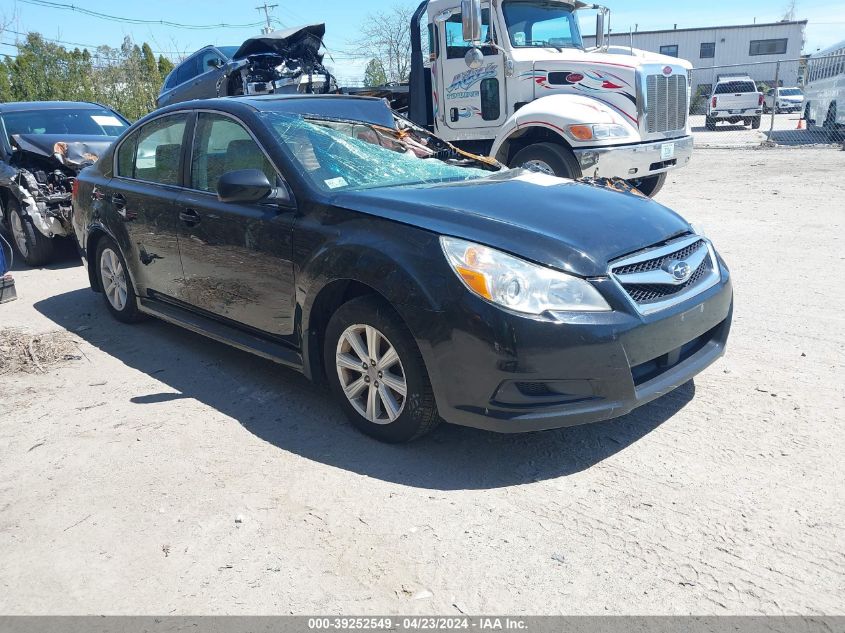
(190, 217)
(118, 201)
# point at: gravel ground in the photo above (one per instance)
(162, 473)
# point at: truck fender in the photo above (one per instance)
(549, 118)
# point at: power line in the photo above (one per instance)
(114, 18)
(91, 46)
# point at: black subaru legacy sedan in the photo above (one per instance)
(423, 284)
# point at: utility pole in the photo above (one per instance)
(266, 8)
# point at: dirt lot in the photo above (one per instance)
(163, 473)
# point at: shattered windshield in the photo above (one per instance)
(345, 156)
(90, 122)
(542, 23)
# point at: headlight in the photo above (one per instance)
(515, 284)
(597, 131)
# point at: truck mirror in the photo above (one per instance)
(471, 19)
(474, 58)
(600, 29)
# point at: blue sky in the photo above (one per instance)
(344, 18)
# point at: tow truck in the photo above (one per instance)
(513, 80)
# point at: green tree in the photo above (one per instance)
(165, 66)
(5, 81)
(374, 74)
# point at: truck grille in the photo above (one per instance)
(666, 103)
(661, 277)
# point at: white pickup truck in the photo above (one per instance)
(735, 99)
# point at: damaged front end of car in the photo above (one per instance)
(282, 62)
(40, 177)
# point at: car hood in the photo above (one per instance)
(297, 42)
(74, 151)
(567, 225)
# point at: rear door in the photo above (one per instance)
(236, 257)
(142, 199)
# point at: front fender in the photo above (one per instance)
(403, 264)
(557, 112)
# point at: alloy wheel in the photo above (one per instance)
(114, 279)
(371, 374)
(18, 233)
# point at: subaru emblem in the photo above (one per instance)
(681, 271)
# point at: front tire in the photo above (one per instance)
(548, 158)
(35, 249)
(376, 372)
(113, 275)
(651, 185)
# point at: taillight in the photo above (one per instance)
(74, 188)
(761, 100)
(714, 102)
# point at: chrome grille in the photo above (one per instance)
(649, 279)
(666, 103)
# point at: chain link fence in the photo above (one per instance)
(799, 104)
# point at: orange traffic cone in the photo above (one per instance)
(800, 124)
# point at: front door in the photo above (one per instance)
(236, 256)
(472, 98)
(142, 196)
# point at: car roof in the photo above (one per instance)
(366, 109)
(20, 106)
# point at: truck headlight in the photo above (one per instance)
(515, 284)
(598, 131)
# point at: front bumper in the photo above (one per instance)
(507, 373)
(635, 161)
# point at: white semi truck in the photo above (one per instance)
(512, 79)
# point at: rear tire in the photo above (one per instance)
(367, 331)
(755, 123)
(651, 185)
(34, 248)
(710, 123)
(549, 158)
(115, 282)
(830, 124)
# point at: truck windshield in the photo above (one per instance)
(790, 92)
(345, 156)
(541, 23)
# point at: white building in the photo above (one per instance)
(709, 48)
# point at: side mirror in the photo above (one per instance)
(600, 29)
(214, 63)
(474, 58)
(471, 20)
(244, 185)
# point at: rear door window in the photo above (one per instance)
(159, 150)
